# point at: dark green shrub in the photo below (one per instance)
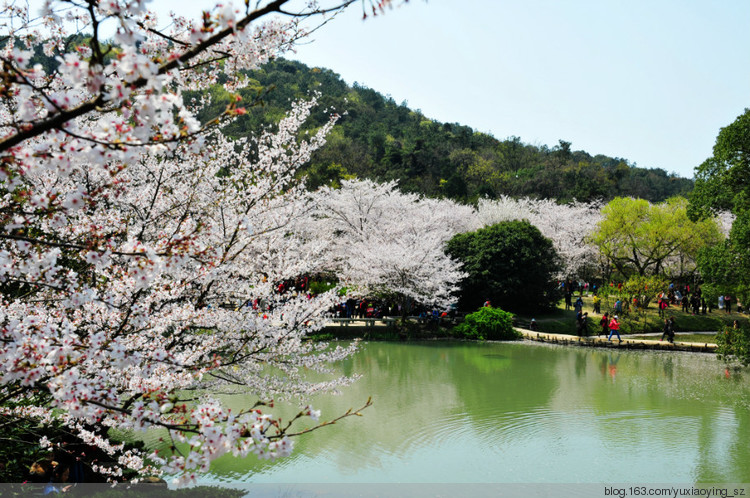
(511, 264)
(488, 324)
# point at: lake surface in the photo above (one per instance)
(455, 412)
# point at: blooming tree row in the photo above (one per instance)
(389, 242)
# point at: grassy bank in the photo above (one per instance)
(561, 321)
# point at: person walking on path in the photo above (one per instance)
(614, 328)
(582, 325)
(728, 304)
(668, 331)
(578, 306)
(604, 324)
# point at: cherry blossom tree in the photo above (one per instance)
(567, 225)
(391, 243)
(135, 239)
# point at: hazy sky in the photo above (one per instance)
(648, 81)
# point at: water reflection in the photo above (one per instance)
(496, 412)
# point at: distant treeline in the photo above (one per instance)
(379, 139)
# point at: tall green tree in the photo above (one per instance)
(511, 263)
(639, 238)
(722, 182)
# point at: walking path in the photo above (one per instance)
(601, 341)
(591, 341)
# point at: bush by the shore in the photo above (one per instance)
(488, 324)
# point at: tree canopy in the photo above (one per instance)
(566, 225)
(639, 238)
(383, 242)
(510, 263)
(723, 183)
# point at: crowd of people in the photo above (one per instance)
(689, 300)
(363, 308)
(377, 308)
(683, 296)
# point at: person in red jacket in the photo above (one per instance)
(604, 323)
(614, 328)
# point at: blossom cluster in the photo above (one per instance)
(566, 225)
(391, 242)
(133, 238)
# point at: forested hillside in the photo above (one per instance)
(379, 139)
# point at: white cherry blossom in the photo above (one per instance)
(391, 243)
(134, 240)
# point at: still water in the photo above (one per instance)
(454, 412)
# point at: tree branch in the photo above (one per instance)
(58, 120)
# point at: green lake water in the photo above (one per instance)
(455, 412)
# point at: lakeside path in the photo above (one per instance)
(564, 339)
(602, 342)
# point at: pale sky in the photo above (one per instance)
(648, 81)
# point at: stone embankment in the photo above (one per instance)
(601, 341)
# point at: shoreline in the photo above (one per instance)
(626, 343)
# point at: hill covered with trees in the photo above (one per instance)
(379, 139)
